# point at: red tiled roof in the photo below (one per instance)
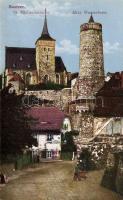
(47, 118)
(16, 77)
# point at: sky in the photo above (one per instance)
(22, 22)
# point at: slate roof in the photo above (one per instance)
(20, 58)
(74, 75)
(24, 58)
(48, 118)
(59, 65)
(45, 33)
(91, 20)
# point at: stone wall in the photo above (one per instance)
(83, 122)
(23, 74)
(45, 60)
(60, 98)
(113, 175)
(86, 87)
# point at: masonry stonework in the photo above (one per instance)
(91, 77)
(45, 60)
(59, 98)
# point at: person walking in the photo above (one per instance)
(77, 173)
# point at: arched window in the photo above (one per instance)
(28, 79)
(57, 78)
(46, 78)
(100, 101)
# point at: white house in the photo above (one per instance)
(50, 123)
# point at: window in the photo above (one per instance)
(28, 79)
(44, 49)
(47, 57)
(21, 58)
(49, 137)
(57, 78)
(65, 126)
(46, 78)
(49, 154)
(28, 66)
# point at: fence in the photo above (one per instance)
(23, 161)
(18, 161)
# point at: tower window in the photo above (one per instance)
(47, 57)
(44, 49)
(21, 58)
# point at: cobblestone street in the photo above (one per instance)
(53, 181)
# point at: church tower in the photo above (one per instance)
(91, 75)
(45, 55)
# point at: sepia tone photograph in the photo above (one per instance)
(61, 100)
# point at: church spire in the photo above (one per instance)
(45, 28)
(45, 34)
(91, 20)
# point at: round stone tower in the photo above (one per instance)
(90, 79)
(91, 75)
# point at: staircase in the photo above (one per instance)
(100, 129)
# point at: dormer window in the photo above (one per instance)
(21, 58)
(28, 66)
(14, 65)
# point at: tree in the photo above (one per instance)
(68, 142)
(15, 125)
(85, 160)
(0, 81)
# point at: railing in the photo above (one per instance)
(100, 129)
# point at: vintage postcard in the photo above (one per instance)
(61, 103)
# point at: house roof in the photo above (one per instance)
(112, 95)
(20, 58)
(74, 75)
(113, 87)
(16, 77)
(48, 118)
(59, 65)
